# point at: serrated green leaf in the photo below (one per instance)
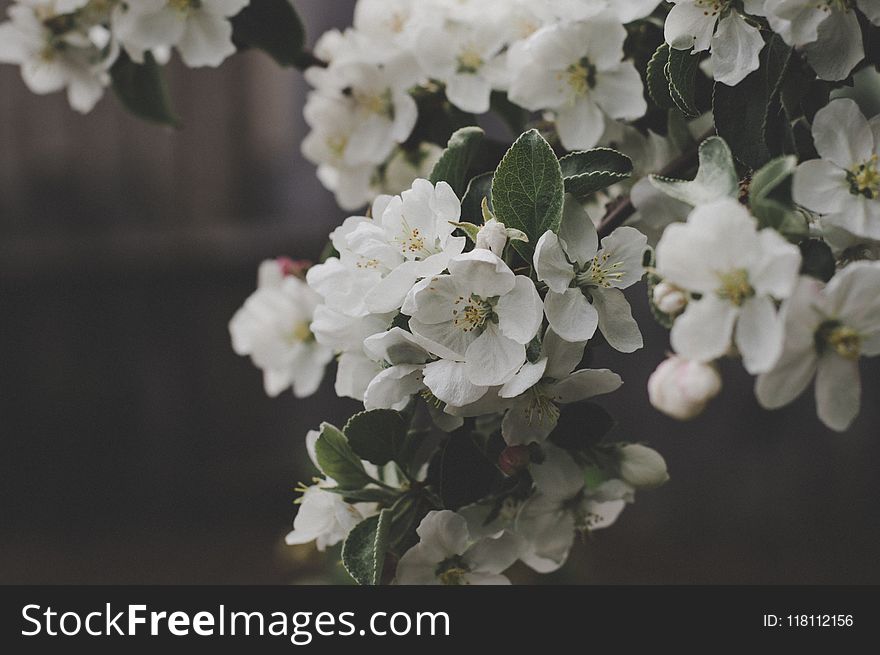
(586, 172)
(716, 177)
(455, 161)
(376, 435)
(681, 71)
(337, 460)
(528, 190)
(274, 27)
(742, 112)
(142, 90)
(478, 188)
(658, 83)
(363, 553)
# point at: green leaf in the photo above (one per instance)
(274, 27)
(658, 83)
(466, 475)
(477, 189)
(716, 177)
(141, 88)
(455, 161)
(818, 260)
(376, 435)
(771, 202)
(528, 191)
(363, 553)
(589, 171)
(745, 113)
(337, 460)
(681, 71)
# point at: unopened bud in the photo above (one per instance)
(669, 299)
(681, 387)
(642, 467)
(513, 459)
(492, 236)
(293, 267)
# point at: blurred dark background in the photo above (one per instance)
(137, 448)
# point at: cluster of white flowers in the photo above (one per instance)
(827, 32)
(563, 58)
(72, 44)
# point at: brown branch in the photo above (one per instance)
(624, 209)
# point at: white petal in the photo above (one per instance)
(703, 332)
(562, 356)
(485, 273)
(853, 296)
(522, 426)
(571, 315)
(735, 49)
(625, 250)
(777, 271)
(444, 533)
(842, 133)
(448, 381)
(551, 264)
(787, 379)
(819, 184)
(689, 26)
(206, 41)
(838, 391)
(558, 476)
(520, 312)
(469, 92)
(580, 125)
(492, 555)
(584, 384)
(577, 233)
(354, 374)
(616, 321)
(393, 386)
(493, 359)
(527, 377)
(759, 334)
(620, 94)
(839, 46)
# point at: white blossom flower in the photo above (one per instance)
(844, 185)
(642, 467)
(446, 554)
(323, 516)
(467, 59)
(827, 330)
(273, 328)
(538, 389)
(699, 25)
(402, 375)
(576, 71)
(477, 319)
(585, 281)
(682, 387)
(546, 522)
(739, 271)
(55, 54)
(199, 29)
(828, 32)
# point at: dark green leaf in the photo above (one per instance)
(466, 475)
(514, 116)
(455, 161)
(471, 204)
(377, 435)
(363, 553)
(745, 113)
(141, 88)
(770, 199)
(658, 83)
(274, 27)
(681, 71)
(338, 461)
(371, 495)
(589, 171)
(528, 191)
(818, 260)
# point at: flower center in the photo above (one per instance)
(541, 406)
(452, 570)
(374, 103)
(473, 313)
(864, 179)
(469, 60)
(735, 286)
(581, 76)
(843, 340)
(337, 145)
(300, 333)
(397, 22)
(713, 7)
(185, 6)
(601, 272)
